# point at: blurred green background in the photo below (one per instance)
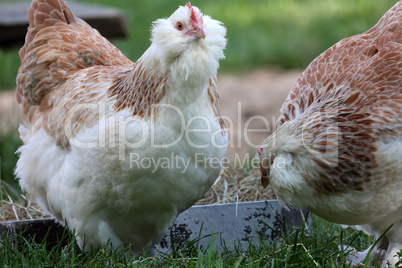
(283, 33)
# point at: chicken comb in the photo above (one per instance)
(194, 20)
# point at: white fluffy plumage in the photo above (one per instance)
(337, 150)
(117, 149)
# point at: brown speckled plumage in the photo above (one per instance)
(354, 86)
(339, 134)
(57, 44)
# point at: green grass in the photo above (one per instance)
(316, 246)
(286, 33)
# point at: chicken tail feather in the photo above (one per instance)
(56, 43)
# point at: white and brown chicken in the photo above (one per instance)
(337, 149)
(113, 148)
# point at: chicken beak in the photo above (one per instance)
(198, 33)
(264, 172)
(264, 177)
(264, 180)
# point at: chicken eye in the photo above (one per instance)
(179, 26)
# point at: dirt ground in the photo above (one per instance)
(249, 101)
(10, 114)
(252, 101)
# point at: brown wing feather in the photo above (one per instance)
(57, 43)
(213, 98)
(347, 99)
(353, 71)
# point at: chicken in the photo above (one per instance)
(116, 149)
(337, 148)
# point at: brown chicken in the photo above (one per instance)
(337, 149)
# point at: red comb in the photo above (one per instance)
(194, 19)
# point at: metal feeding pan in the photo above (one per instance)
(232, 225)
(222, 226)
